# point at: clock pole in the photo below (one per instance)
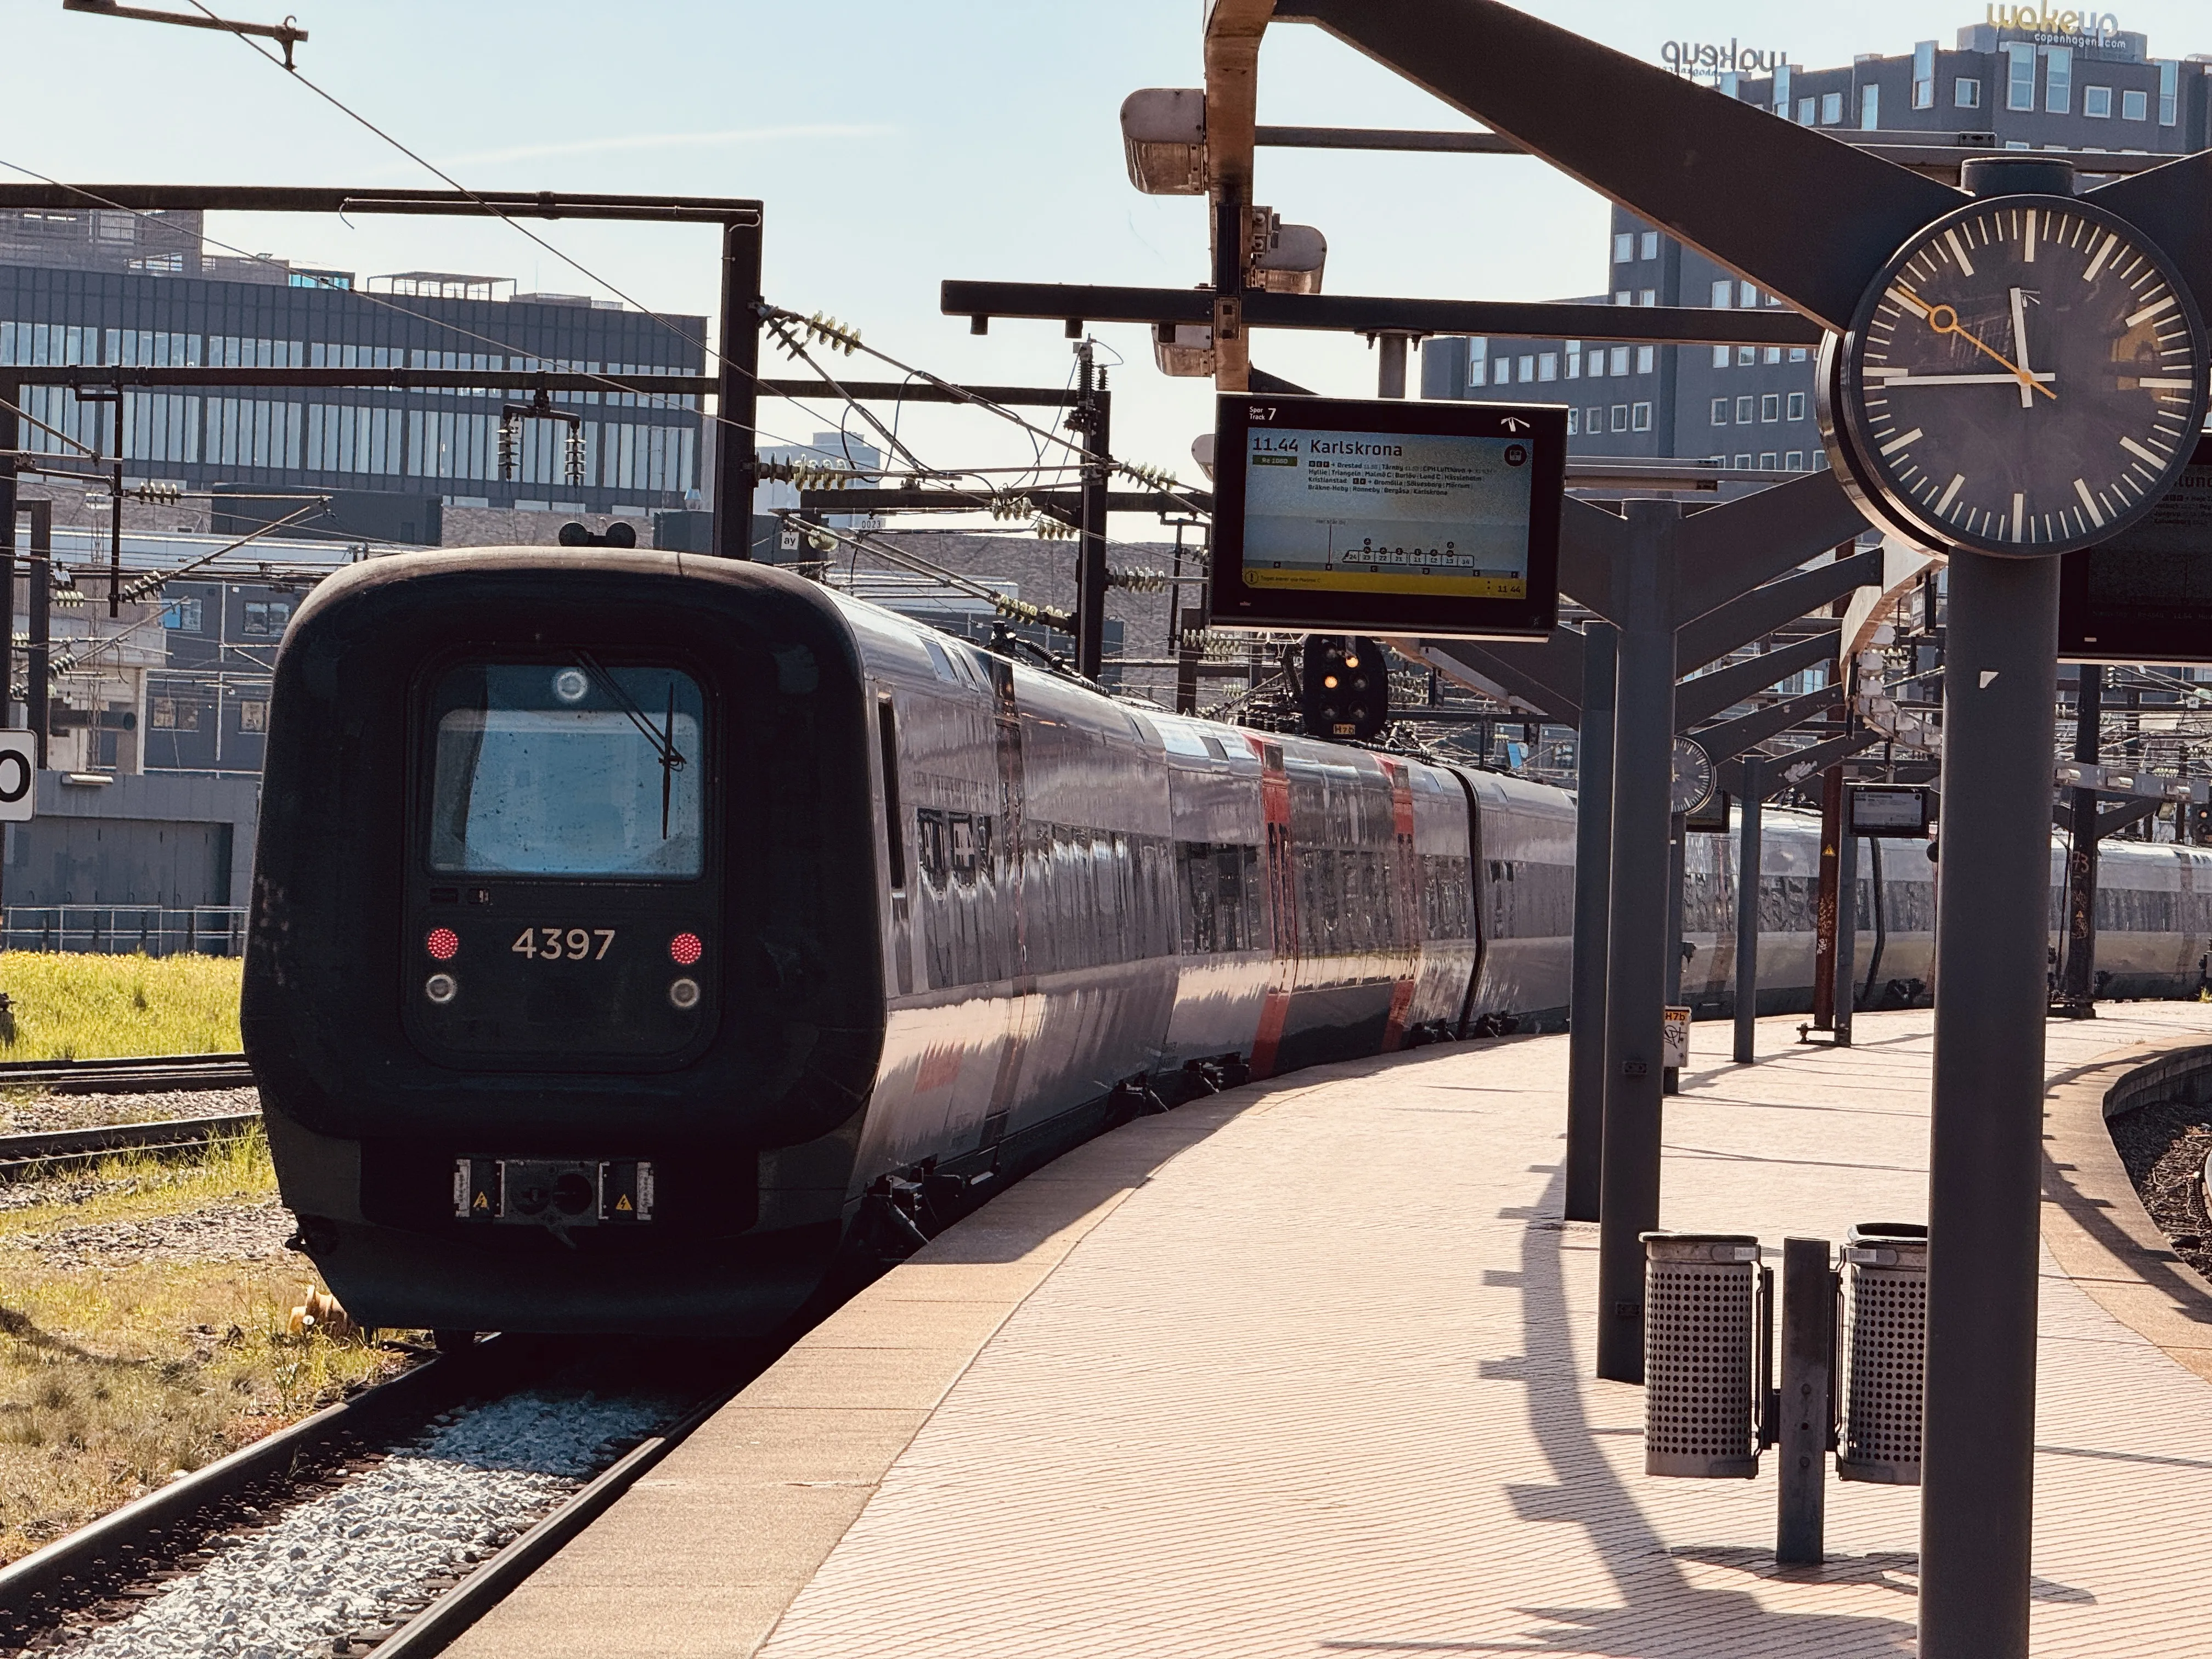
(2000, 685)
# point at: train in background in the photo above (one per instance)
(637, 935)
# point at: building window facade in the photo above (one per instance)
(1647, 359)
(1871, 107)
(1797, 405)
(2097, 103)
(2058, 81)
(1720, 411)
(1923, 76)
(1641, 417)
(2020, 76)
(1965, 92)
(1832, 109)
(1650, 245)
(2134, 105)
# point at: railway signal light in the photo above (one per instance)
(1343, 689)
(2200, 824)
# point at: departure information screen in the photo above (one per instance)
(2146, 595)
(1432, 518)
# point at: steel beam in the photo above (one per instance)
(1729, 549)
(1550, 675)
(1763, 610)
(1347, 313)
(1594, 760)
(1787, 206)
(1779, 772)
(1725, 742)
(488, 204)
(1636, 961)
(1698, 700)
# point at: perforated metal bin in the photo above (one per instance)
(1884, 1346)
(1699, 1293)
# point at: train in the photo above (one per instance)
(639, 939)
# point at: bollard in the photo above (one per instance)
(1883, 1345)
(1699, 1387)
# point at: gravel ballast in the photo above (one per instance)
(2163, 1145)
(44, 1114)
(216, 1232)
(358, 1558)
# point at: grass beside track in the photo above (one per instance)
(114, 1378)
(77, 1006)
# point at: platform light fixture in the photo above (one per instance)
(1164, 138)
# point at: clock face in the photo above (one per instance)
(1692, 782)
(2027, 378)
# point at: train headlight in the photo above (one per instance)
(441, 988)
(685, 993)
(571, 684)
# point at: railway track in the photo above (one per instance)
(204, 1544)
(52, 1150)
(136, 1075)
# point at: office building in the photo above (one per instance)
(100, 287)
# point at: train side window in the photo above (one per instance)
(893, 814)
(932, 849)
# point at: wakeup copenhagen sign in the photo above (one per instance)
(1703, 59)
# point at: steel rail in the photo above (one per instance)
(490, 1582)
(52, 1149)
(128, 1542)
(128, 1074)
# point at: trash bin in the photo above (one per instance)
(1699, 1326)
(1884, 1346)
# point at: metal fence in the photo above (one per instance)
(122, 929)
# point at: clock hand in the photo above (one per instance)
(2019, 346)
(1895, 377)
(1935, 321)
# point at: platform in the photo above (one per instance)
(1305, 1369)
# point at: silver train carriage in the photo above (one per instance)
(633, 933)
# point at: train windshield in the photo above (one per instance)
(567, 769)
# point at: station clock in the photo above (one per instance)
(2026, 377)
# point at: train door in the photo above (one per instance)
(1404, 943)
(1474, 914)
(1282, 906)
(1024, 1006)
(898, 914)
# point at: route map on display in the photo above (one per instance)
(1369, 516)
(1396, 513)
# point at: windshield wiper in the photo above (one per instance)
(663, 742)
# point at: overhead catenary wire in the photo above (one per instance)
(153, 583)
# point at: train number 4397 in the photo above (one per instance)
(562, 944)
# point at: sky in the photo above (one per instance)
(894, 145)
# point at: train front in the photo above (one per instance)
(563, 985)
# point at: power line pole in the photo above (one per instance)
(736, 398)
(1093, 419)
